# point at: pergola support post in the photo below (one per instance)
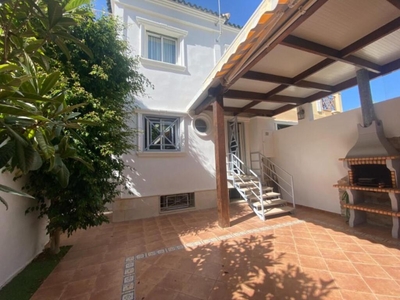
(220, 163)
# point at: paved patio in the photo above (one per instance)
(308, 255)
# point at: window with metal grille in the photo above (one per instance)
(328, 103)
(176, 202)
(161, 48)
(161, 133)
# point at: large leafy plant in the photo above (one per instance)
(33, 110)
(108, 83)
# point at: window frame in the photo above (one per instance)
(162, 37)
(148, 26)
(168, 121)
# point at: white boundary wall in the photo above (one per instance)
(22, 237)
(311, 150)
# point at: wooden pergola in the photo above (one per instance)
(293, 52)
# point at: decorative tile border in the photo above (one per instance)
(128, 283)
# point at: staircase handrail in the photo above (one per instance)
(258, 186)
(289, 182)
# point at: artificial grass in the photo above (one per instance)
(25, 284)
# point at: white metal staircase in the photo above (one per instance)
(261, 186)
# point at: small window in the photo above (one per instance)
(201, 125)
(176, 202)
(328, 103)
(161, 48)
(161, 133)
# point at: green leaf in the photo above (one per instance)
(44, 145)
(54, 13)
(6, 153)
(33, 46)
(18, 138)
(69, 109)
(9, 190)
(24, 157)
(79, 43)
(33, 98)
(86, 122)
(88, 165)
(36, 163)
(26, 105)
(72, 115)
(42, 61)
(8, 109)
(77, 136)
(66, 21)
(19, 121)
(9, 67)
(49, 82)
(60, 43)
(72, 4)
(61, 171)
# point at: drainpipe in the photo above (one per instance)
(367, 106)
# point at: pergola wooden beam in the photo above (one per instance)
(251, 75)
(386, 69)
(372, 37)
(396, 3)
(269, 47)
(260, 97)
(321, 50)
(283, 109)
(345, 52)
(212, 93)
(258, 112)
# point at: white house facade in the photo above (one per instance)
(212, 101)
(178, 45)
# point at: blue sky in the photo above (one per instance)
(383, 88)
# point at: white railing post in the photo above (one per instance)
(291, 181)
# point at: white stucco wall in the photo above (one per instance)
(174, 89)
(22, 236)
(310, 152)
(193, 168)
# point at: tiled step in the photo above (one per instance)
(269, 203)
(278, 211)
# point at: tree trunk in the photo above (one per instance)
(55, 241)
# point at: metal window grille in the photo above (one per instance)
(328, 103)
(176, 202)
(161, 133)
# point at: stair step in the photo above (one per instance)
(266, 196)
(249, 189)
(247, 177)
(279, 211)
(269, 204)
(246, 183)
